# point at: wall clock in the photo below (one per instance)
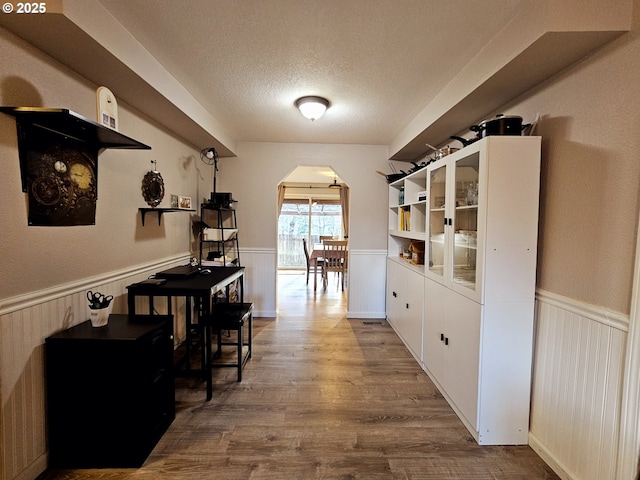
(62, 185)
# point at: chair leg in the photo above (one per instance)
(250, 319)
(240, 342)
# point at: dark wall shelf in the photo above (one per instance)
(70, 124)
(160, 211)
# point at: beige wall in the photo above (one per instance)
(590, 173)
(35, 258)
(254, 175)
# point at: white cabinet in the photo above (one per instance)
(405, 292)
(480, 226)
(479, 356)
(451, 348)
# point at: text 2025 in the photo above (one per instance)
(34, 7)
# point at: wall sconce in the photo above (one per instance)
(312, 107)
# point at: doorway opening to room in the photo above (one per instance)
(313, 206)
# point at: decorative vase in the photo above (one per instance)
(99, 317)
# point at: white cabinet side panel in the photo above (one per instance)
(505, 389)
(513, 183)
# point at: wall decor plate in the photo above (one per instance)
(153, 188)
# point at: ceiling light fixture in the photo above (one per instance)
(312, 107)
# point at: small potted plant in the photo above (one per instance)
(99, 308)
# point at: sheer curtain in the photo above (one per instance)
(281, 190)
(344, 204)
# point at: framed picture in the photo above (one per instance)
(174, 201)
(184, 202)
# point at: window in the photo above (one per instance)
(305, 218)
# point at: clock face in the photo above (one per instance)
(60, 166)
(81, 175)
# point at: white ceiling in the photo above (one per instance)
(379, 62)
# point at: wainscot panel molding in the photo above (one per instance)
(25, 322)
(613, 319)
(30, 299)
(260, 279)
(366, 284)
(577, 386)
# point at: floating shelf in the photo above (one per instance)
(160, 211)
(70, 124)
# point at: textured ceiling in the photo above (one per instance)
(379, 62)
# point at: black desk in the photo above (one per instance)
(201, 287)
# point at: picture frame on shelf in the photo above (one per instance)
(184, 202)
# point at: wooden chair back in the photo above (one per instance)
(335, 255)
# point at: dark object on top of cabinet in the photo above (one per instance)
(500, 125)
(465, 141)
(110, 391)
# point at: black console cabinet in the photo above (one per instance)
(110, 391)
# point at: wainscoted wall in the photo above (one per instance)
(577, 385)
(579, 357)
(260, 279)
(367, 282)
(25, 322)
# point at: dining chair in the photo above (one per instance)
(335, 256)
(315, 264)
(325, 237)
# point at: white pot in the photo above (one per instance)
(99, 317)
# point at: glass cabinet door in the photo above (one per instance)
(437, 218)
(465, 221)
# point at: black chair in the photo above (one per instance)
(227, 317)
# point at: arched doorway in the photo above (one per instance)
(312, 202)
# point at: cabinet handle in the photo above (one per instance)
(442, 337)
(407, 305)
(446, 340)
(395, 294)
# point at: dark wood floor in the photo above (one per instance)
(323, 397)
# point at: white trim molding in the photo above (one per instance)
(629, 439)
(613, 319)
(20, 302)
